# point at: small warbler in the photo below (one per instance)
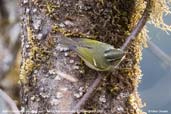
(96, 55)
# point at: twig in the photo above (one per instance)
(88, 93)
(139, 26)
(133, 34)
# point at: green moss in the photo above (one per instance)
(37, 55)
(160, 8)
(50, 8)
(26, 69)
(68, 33)
(107, 21)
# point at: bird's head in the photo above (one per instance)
(114, 56)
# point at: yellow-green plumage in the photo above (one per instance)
(97, 55)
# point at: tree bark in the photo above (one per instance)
(53, 79)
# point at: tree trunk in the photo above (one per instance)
(54, 79)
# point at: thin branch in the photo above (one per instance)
(139, 26)
(133, 34)
(88, 93)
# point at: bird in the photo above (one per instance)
(97, 55)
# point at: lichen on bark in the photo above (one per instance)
(44, 60)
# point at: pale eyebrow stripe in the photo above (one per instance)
(108, 50)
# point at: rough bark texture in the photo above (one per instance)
(53, 79)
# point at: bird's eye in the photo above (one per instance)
(114, 56)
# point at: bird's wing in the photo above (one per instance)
(85, 53)
(84, 42)
(91, 60)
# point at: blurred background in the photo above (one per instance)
(155, 87)
(9, 55)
